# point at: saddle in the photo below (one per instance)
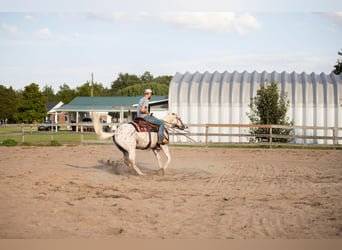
(141, 125)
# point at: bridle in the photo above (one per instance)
(175, 125)
(182, 127)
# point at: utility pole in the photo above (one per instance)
(92, 85)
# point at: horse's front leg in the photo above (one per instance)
(166, 151)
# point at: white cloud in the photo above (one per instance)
(44, 34)
(219, 22)
(12, 29)
(29, 18)
(250, 62)
(117, 16)
(69, 38)
(335, 17)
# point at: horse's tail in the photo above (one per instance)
(98, 127)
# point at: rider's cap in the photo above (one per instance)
(147, 91)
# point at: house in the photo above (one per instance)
(112, 109)
(53, 114)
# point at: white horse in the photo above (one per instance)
(127, 139)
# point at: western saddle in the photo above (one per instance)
(142, 125)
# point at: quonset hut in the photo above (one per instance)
(223, 98)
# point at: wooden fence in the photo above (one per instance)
(335, 136)
(24, 130)
(332, 135)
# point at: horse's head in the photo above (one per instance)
(175, 121)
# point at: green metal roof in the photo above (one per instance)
(105, 103)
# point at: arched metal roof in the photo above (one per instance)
(199, 98)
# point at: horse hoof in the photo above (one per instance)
(161, 172)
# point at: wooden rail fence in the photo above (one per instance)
(332, 136)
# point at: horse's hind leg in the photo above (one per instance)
(126, 157)
(131, 160)
(123, 151)
(156, 153)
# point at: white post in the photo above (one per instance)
(76, 121)
(121, 116)
(129, 115)
(56, 120)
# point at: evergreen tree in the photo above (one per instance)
(49, 93)
(8, 104)
(32, 107)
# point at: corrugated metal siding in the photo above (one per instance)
(223, 98)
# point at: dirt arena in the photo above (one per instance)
(71, 192)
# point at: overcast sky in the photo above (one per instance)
(54, 44)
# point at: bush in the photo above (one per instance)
(9, 143)
(269, 107)
(55, 143)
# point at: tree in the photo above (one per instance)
(32, 108)
(49, 93)
(65, 93)
(138, 89)
(8, 104)
(85, 89)
(124, 80)
(269, 107)
(338, 66)
(147, 77)
(163, 80)
(133, 85)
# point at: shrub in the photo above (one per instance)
(9, 143)
(55, 143)
(269, 106)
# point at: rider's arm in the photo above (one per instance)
(144, 110)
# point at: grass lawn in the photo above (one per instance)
(43, 138)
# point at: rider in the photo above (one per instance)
(143, 112)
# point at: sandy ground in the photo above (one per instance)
(71, 192)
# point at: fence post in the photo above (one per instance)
(271, 140)
(335, 132)
(51, 131)
(173, 136)
(22, 133)
(206, 135)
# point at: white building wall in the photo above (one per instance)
(223, 98)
